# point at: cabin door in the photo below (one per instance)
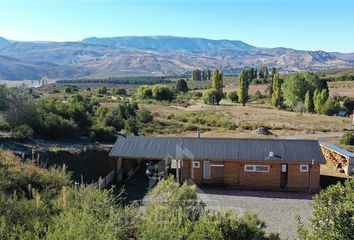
(283, 175)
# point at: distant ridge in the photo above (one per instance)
(171, 43)
(151, 56)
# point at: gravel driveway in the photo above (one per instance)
(277, 209)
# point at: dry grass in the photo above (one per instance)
(282, 123)
(341, 88)
(15, 165)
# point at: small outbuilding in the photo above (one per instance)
(338, 158)
(274, 164)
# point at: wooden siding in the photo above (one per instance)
(234, 175)
(231, 173)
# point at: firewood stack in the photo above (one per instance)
(334, 160)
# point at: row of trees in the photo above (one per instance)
(303, 92)
(201, 75)
(215, 93)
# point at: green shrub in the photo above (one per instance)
(131, 126)
(103, 133)
(103, 90)
(211, 96)
(144, 92)
(144, 115)
(182, 86)
(232, 96)
(55, 126)
(347, 138)
(120, 91)
(162, 93)
(22, 132)
(332, 215)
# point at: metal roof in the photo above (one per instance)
(338, 149)
(223, 149)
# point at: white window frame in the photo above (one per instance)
(254, 168)
(216, 165)
(196, 164)
(206, 176)
(304, 170)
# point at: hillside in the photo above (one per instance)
(151, 56)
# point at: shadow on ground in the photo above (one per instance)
(137, 187)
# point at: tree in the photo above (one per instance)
(277, 94)
(232, 96)
(331, 106)
(182, 86)
(103, 90)
(217, 82)
(120, 91)
(162, 93)
(274, 71)
(319, 100)
(308, 102)
(22, 110)
(144, 115)
(144, 92)
(4, 97)
(332, 215)
(243, 88)
(131, 126)
(348, 103)
(196, 75)
(263, 73)
(314, 82)
(294, 89)
(347, 138)
(211, 96)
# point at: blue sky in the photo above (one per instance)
(309, 25)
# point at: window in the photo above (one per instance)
(256, 168)
(304, 168)
(196, 164)
(206, 172)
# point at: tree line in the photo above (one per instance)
(80, 115)
(304, 91)
(201, 75)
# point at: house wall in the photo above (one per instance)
(260, 180)
(300, 180)
(236, 176)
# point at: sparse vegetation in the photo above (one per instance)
(41, 204)
(347, 138)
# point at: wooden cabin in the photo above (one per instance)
(265, 164)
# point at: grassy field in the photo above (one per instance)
(234, 120)
(341, 88)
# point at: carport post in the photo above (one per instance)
(177, 169)
(192, 170)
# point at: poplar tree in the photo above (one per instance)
(276, 91)
(243, 88)
(308, 102)
(217, 81)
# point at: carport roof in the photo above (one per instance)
(222, 149)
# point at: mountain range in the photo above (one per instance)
(151, 55)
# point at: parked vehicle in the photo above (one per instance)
(155, 169)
